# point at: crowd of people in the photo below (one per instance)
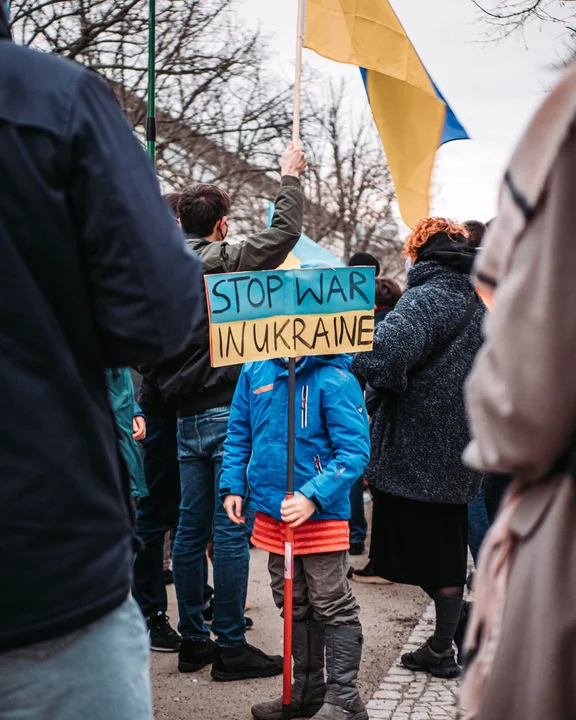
(464, 404)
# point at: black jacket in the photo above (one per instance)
(420, 430)
(93, 273)
(188, 383)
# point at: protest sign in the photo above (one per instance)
(288, 313)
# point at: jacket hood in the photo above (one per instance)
(431, 270)
(4, 24)
(449, 250)
(342, 361)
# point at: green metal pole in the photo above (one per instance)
(151, 118)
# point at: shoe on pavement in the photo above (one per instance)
(196, 654)
(368, 576)
(336, 709)
(243, 662)
(308, 687)
(441, 665)
(163, 637)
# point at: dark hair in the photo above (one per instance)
(173, 199)
(364, 258)
(200, 208)
(388, 292)
(476, 231)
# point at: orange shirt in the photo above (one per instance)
(314, 536)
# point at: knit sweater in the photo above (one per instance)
(420, 430)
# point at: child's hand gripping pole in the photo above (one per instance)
(289, 551)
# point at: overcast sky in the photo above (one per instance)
(493, 88)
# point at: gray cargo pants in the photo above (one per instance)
(321, 587)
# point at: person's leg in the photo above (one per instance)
(335, 607)
(237, 660)
(156, 516)
(189, 551)
(157, 513)
(308, 687)
(99, 672)
(437, 654)
(357, 522)
(477, 524)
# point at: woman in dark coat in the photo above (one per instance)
(423, 352)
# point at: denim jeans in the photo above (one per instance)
(358, 524)
(202, 515)
(158, 512)
(477, 524)
(101, 672)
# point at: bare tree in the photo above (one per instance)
(349, 177)
(221, 116)
(506, 17)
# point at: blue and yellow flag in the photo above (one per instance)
(411, 115)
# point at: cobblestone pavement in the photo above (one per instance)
(407, 695)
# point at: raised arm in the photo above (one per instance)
(267, 249)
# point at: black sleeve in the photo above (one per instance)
(146, 286)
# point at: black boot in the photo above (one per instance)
(441, 665)
(308, 688)
(243, 662)
(343, 655)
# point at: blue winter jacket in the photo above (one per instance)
(332, 438)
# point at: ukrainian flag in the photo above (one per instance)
(411, 114)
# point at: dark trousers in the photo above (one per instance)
(358, 524)
(158, 513)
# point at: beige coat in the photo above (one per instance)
(522, 406)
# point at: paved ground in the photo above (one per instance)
(389, 614)
(406, 695)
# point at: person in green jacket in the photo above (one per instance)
(131, 426)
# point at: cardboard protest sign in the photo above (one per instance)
(288, 313)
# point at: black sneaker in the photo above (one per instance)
(356, 549)
(249, 622)
(168, 577)
(194, 655)
(367, 575)
(441, 665)
(243, 662)
(163, 637)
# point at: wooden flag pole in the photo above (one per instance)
(289, 537)
(300, 32)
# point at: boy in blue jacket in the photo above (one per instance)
(332, 449)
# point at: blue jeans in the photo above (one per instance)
(158, 512)
(477, 524)
(202, 515)
(99, 672)
(358, 524)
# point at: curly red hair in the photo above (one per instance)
(424, 230)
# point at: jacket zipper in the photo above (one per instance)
(304, 406)
(318, 463)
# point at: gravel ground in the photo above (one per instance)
(389, 613)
